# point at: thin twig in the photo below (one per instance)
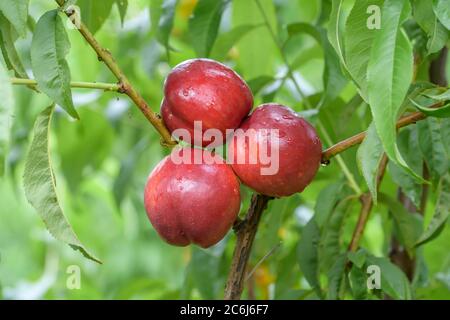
(73, 84)
(347, 173)
(367, 204)
(266, 256)
(358, 138)
(106, 57)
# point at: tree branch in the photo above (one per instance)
(358, 138)
(125, 85)
(367, 204)
(73, 84)
(245, 231)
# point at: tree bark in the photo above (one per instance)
(246, 232)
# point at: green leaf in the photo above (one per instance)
(369, 156)
(409, 224)
(49, 47)
(94, 13)
(285, 265)
(325, 203)
(306, 55)
(390, 73)
(6, 109)
(441, 112)
(227, 40)
(393, 281)
(441, 212)
(204, 270)
(257, 50)
(308, 254)
(259, 83)
(431, 143)
(330, 241)
(336, 276)
(204, 25)
(12, 59)
(428, 100)
(16, 11)
(325, 10)
(127, 168)
(83, 145)
(333, 79)
(358, 282)
(442, 10)
(428, 21)
(358, 40)
(335, 29)
(358, 258)
(155, 14)
(408, 145)
(40, 185)
(122, 5)
(445, 132)
(441, 96)
(165, 24)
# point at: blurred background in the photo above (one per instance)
(101, 164)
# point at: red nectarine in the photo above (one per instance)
(207, 91)
(192, 203)
(298, 146)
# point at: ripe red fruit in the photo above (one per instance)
(300, 151)
(192, 203)
(207, 91)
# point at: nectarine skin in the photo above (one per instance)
(207, 91)
(300, 151)
(192, 203)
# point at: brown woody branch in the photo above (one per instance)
(367, 204)
(125, 84)
(245, 231)
(358, 138)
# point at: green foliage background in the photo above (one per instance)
(102, 161)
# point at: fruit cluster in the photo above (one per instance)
(198, 202)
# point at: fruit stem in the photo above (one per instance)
(73, 84)
(351, 179)
(106, 57)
